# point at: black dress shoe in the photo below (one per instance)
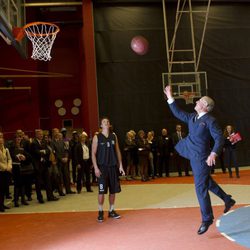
(228, 205)
(53, 199)
(90, 190)
(25, 203)
(204, 227)
(41, 201)
(71, 192)
(62, 194)
(5, 207)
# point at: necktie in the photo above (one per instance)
(179, 135)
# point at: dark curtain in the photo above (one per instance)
(130, 86)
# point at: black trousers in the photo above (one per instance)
(230, 160)
(4, 185)
(163, 165)
(73, 171)
(63, 169)
(43, 180)
(19, 189)
(180, 164)
(55, 178)
(83, 175)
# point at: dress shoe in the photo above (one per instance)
(41, 201)
(228, 205)
(5, 207)
(53, 199)
(71, 192)
(16, 204)
(29, 199)
(90, 190)
(62, 194)
(204, 227)
(25, 203)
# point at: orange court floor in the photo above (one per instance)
(161, 214)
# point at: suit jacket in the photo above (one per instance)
(79, 154)
(37, 156)
(165, 145)
(197, 143)
(60, 149)
(175, 137)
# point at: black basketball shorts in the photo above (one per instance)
(109, 179)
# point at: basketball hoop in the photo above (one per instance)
(188, 97)
(42, 36)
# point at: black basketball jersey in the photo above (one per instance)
(106, 153)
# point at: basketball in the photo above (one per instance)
(139, 45)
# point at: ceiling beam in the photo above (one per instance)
(51, 4)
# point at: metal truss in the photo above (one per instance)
(185, 61)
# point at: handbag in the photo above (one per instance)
(235, 137)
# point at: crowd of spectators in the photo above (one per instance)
(61, 165)
(148, 156)
(45, 162)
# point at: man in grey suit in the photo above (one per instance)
(196, 147)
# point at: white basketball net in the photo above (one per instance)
(42, 36)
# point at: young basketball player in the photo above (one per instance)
(107, 161)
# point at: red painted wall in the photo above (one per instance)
(24, 109)
(73, 54)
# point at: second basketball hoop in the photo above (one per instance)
(188, 97)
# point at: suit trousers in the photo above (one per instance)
(83, 175)
(180, 164)
(204, 183)
(42, 180)
(3, 186)
(230, 160)
(163, 165)
(63, 169)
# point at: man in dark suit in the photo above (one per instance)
(179, 161)
(40, 154)
(164, 150)
(196, 148)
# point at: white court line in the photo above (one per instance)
(231, 211)
(228, 237)
(217, 223)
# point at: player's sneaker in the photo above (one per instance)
(100, 216)
(113, 214)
